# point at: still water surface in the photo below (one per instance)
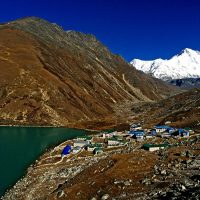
(21, 146)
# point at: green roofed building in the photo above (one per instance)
(92, 147)
(98, 150)
(154, 147)
(110, 130)
(113, 141)
(188, 129)
(116, 141)
(84, 138)
(117, 137)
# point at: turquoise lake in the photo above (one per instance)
(21, 146)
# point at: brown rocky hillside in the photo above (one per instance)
(181, 110)
(52, 77)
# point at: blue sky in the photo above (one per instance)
(144, 29)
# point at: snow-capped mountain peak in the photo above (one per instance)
(186, 64)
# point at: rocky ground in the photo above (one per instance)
(182, 110)
(123, 173)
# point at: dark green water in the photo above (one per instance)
(21, 146)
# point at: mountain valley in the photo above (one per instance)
(52, 77)
(57, 78)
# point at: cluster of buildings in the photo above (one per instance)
(155, 147)
(163, 131)
(138, 133)
(95, 144)
(98, 143)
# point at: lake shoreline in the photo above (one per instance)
(37, 126)
(28, 143)
(29, 126)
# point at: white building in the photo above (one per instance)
(81, 144)
(91, 148)
(84, 138)
(154, 147)
(166, 135)
(76, 149)
(113, 142)
(148, 136)
(107, 135)
(160, 130)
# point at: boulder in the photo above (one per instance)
(105, 197)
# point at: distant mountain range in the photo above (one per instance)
(185, 65)
(186, 83)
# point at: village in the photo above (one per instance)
(154, 162)
(149, 139)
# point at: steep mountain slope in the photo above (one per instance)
(184, 65)
(52, 77)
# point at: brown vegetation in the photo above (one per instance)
(52, 77)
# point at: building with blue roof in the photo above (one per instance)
(163, 128)
(170, 129)
(153, 132)
(135, 127)
(66, 150)
(138, 134)
(183, 132)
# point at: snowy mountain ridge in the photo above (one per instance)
(183, 65)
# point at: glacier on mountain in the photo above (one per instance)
(183, 65)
